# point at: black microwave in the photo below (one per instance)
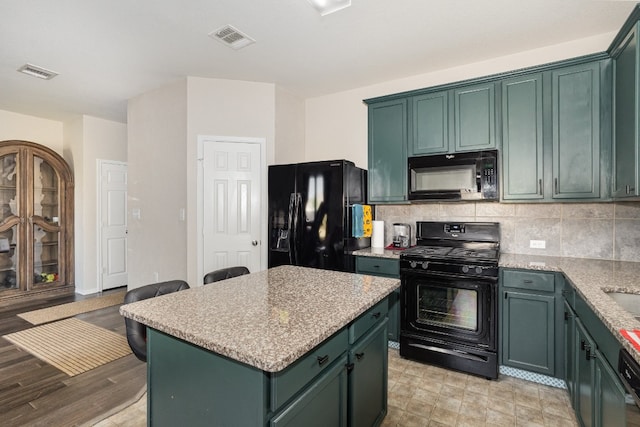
(456, 176)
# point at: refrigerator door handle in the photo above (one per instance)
(296, 228)
(292, 208)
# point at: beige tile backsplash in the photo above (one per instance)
(580, 230)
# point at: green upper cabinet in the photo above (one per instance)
(429, 124)
(522, 138)
(388, 151)
(576, 131)
(474, 117)
(553, 127)
(626, 141)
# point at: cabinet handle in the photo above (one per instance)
(627, 188)
(556, 185)
(359, 356)
(376, 266)
(350, 367)
(587, 354)
(323, 359)
(527, 281)
(567, 316)
(582, 344)
(540, 186)
(376, 315)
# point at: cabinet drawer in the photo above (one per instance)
(378, 266)
(365, 322)
(534, 281)
(286, 383)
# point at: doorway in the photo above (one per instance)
(112, 224)
(231, 178)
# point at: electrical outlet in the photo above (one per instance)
(537, 244)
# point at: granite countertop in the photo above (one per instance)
(267, 319)
(591, 278)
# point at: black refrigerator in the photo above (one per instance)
(310, 214)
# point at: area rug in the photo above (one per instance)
(62, 311)
(71, 345)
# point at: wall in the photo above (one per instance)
(290, 114)
(28, 128)
(336, 124)
(579, 230)
(156, 153)
(224, 108)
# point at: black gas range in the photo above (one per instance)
(449, 296)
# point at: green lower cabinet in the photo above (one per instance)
(385, 267)
(585, 375)
(528, 332)
(610, 406)
(597, 395)
(570, 350)
(322, 404)
(368, 393)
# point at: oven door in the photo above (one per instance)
(452, 309)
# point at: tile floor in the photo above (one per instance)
(424, 395)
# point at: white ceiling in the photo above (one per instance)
(107, 51)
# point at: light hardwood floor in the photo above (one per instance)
(34, 393)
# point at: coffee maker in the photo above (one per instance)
(401, 235)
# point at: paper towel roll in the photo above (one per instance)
(377, 235)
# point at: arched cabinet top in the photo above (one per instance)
(56, 160)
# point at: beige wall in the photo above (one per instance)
(223, 108)
(29, 128)
(290, 114)
(157, 126)
(336, 124)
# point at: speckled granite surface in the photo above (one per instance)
(592, 278)
(378, 253)
(267, 319)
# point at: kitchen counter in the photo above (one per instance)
(267, 319)
(591, 278)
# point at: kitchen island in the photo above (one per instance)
(285, 346)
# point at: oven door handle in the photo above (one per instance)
(448, 351)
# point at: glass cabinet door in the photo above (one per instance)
(46, 231)
(9, 221)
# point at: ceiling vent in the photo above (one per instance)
(39, 72)
(231, 37)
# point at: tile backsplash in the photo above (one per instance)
(579, 230)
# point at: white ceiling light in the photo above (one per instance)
(325, 7)
(39, 72)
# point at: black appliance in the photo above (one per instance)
(310, 215)
(459, 176)
(449, 296)
(629, 372)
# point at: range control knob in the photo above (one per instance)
(478, 270)
(465, 269)
(413, 264)
(425, 265)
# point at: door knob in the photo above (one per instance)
(254, 242)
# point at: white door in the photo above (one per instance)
(113, 220)
(231, 205)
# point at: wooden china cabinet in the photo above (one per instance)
(36, 221)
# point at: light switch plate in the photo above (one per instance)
(537, 244)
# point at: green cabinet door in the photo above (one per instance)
(522, 138)
(576, 131)
(528, 332)
(388, 151)
(324, 403)
(429, 124)
(474, 117)
(367, 392)
(570, 351)
(394, 316)
(585, 375)
(626, 141)
(610, 406)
